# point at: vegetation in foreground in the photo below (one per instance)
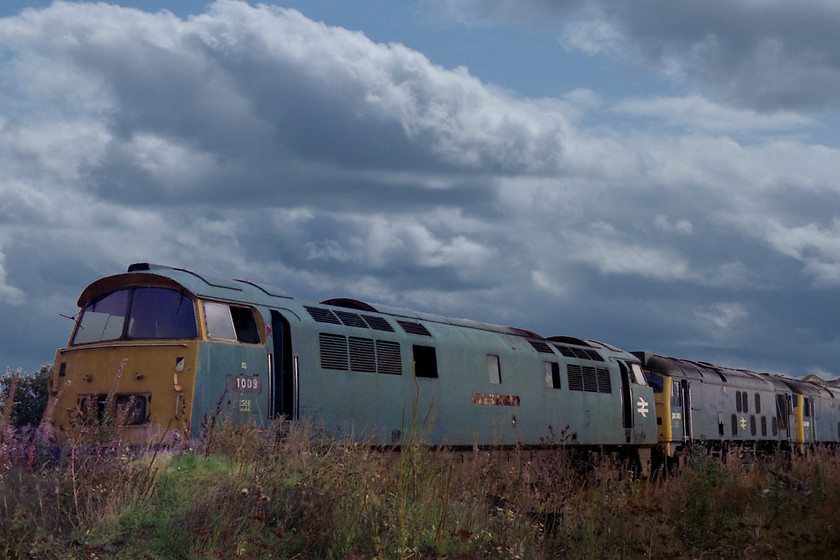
(288, 492)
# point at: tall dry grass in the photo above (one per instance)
(288, 491)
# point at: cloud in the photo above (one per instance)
(770, 55)
(665, 224)
(698, 113)
(9, 295)
(613, 254)
(815, 246)
(722, 318)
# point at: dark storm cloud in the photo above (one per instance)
(768, 55)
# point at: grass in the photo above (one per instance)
(287, 491)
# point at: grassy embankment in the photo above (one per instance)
(287, 492)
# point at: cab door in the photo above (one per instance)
(626, 401)
(232, 365)
(809, 420)
(685, 396)
(680, 410)
(283, 397)
(784, 418)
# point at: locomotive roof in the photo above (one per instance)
(703, 371)
(200, 285)
(809, 388)
(707, 372)
(246, 291)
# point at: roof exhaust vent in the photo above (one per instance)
(139, 267)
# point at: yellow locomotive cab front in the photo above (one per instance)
(131, 361)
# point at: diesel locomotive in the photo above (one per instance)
(166, 349)
(722, 408)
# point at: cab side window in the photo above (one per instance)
(245, 325)
(230, 322)
(425, 361)
(656, 382)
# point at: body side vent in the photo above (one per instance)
(590, 380)
(388, 357)
(333, 351)
(362, 357)
(604, 383)
(575, 374)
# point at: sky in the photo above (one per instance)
(662, 176)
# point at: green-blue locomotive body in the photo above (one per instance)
(176, 349)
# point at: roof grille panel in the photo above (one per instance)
(582, 353)
(414, 328)
(569, 340)
(378, 323)
(593, 355)
(351, 319)
(565, 350)
(323, 315)
(540, 346)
